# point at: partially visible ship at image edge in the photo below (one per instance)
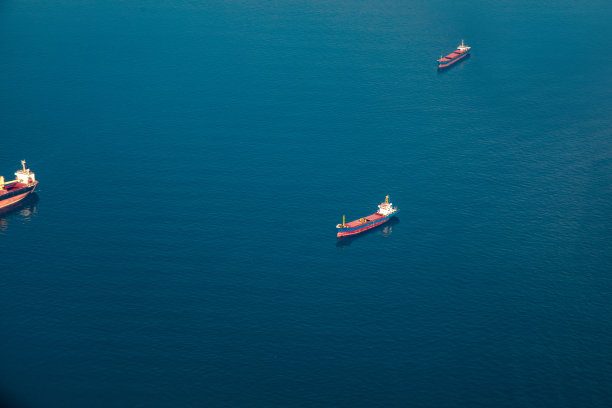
(12, 192)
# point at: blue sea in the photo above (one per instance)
(194, 158)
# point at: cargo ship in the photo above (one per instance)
(11, 192)
(460, 53)
(385, 212)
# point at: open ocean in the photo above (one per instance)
(194, 158)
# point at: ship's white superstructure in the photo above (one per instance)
(386, 208)
(25, 175)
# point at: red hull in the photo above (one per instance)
(367, 227)
(448, 64)
(13, 200)
(7, 202)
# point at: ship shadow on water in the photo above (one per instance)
(25, 208)
(457, 64)
(384, 229)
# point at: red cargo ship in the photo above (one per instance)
(12, 192)
(460, 53)
(384, 213)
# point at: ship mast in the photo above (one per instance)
(23, 165)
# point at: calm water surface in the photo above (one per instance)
(194, 158)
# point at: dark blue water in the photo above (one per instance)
(195, 157)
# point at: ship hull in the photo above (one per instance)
(445, 65)
(13, 197)
(346, 231)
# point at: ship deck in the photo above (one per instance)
(451, 56)
(369, 218)
(11, 187)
